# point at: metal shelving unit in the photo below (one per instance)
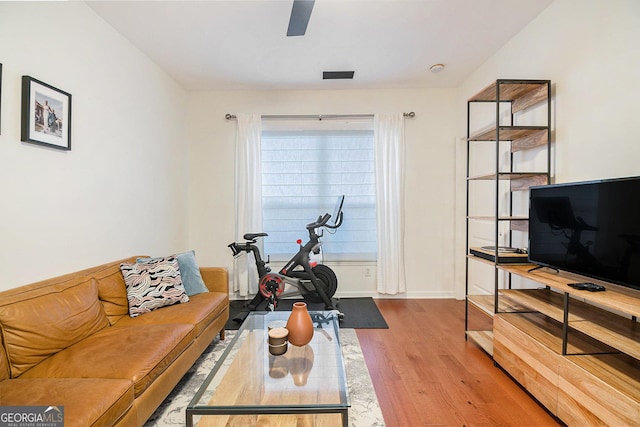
(515, 101)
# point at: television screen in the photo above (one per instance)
(590, 228)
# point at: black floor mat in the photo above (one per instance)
(359, 313)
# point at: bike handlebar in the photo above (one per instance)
(321, 222)
(337, 223)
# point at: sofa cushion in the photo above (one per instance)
(200, 312)
(153, 284)
(86, 401)
(112, 291)
(189, 272)
(5, 372)
(139, 353)
(40, 323)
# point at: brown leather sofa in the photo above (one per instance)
(69, 341)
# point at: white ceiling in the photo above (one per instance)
(242, 44)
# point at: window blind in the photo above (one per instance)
(303, 173)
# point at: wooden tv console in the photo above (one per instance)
(577, 352)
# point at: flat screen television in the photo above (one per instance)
(589, 228)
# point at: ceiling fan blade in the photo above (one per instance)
(300, 14)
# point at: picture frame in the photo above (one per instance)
(46, 114)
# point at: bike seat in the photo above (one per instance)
(254, 236)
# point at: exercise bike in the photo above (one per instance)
(314, 282)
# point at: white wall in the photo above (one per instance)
(430, 175)
(589, 50)
(120, 191)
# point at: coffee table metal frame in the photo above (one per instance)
(326, 333)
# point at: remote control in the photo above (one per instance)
(587, 286)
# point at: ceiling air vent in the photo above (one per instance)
(336, 75)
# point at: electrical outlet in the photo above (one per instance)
(367, 272)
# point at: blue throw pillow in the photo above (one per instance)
(190, 273)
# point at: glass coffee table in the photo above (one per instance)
(248, 386)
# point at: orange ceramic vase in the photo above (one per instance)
(300, 325)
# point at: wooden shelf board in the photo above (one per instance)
(619, 298)
(616, 331)
(531, 98)
(510, 91)
(530, 135)
(484, 339)
(524, 183)
(507, 305)
(544, 301)
(484, 303)
(507, 176)
(549, 332)
(528, 142)
(517, 223)
(537, 327)
(623, 335)
(500, 218)
(482, 260)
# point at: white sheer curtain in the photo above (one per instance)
(388, 142)
(248, 198)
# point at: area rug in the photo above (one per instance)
(364, 410)
(359, 313)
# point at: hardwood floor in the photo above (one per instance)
(425, 373)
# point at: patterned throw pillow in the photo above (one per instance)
(189, 272)
(153, 284)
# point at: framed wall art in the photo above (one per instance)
(46, 114)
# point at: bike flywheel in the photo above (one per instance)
(271, 283)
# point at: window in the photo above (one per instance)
(303, 173)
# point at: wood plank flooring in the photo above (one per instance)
(425, 373)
